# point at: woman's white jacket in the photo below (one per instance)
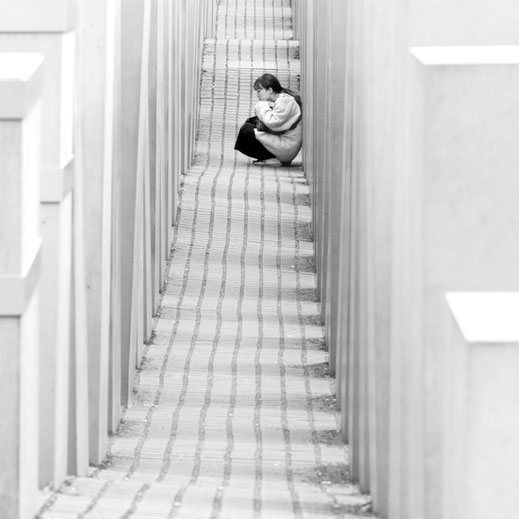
(280, 116)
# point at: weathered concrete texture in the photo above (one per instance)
(233, 414)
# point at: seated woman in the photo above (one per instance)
(274, 135)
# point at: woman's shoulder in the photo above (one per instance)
(285, 99)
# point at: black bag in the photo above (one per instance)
(260, 126)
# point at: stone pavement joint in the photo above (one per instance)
(233, 413)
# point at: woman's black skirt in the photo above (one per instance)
(248, 144)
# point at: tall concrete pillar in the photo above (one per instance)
(50, 30)
(96, 140)
(154, 69)
(162, 219)
(132, 55)
(334, 169)
(211, 7)
(176, 97)
(344, 285)
(319, 96)
(307, 79)
(454, 232)
(21, 85)
(297, 18)
(480, 473)
(425, 151)
(378, 153)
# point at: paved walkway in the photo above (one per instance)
(233, 414)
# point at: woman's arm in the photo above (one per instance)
(282, 116)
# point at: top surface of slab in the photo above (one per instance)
(473, 55)
(486, 317)
(37, 16)
(21, 83)
(19, 66)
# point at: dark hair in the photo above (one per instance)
(270, 81)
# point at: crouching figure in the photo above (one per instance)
(274, 135)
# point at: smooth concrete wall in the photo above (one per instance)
(132, 16)
(321, 93)
(95, 141)
(52, 33)
(457, 22)
(119, 110)
(405, 158)
(21, 89)
(459, 210)
(131, 178)
(113, 219)
(482, 385)
(350, 78)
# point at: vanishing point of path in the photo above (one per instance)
(233, 413)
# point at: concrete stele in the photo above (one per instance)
(21, 77)
(47, 27)
(488, 426)
(462, 215)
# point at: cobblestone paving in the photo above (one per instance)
(233, 415)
